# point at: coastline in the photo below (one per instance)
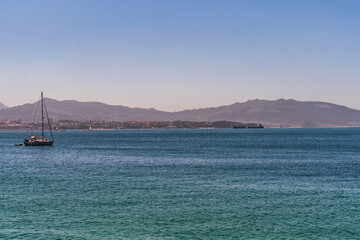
(62, 125)
(119, 129)
(115, 125)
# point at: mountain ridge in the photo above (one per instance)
(3, 106)
(279, 111)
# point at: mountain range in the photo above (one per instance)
(277, 112)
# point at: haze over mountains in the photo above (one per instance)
(2, 106)
(267, 112)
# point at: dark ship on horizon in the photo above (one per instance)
(248, 125)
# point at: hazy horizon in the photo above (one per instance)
(176, 55)
(190, 108)
(194, 108)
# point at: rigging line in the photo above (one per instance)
(47, 116)
(37, 108)
(42, 115)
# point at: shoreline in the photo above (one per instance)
(63, 125)
(235, 129)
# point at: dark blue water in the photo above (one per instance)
(182, 184)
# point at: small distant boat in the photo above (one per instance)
(41, 140)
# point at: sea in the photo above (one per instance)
(182, 184)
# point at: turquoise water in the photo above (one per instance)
(182, 184)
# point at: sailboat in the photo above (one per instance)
(41, 140)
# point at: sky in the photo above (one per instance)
(174, 55)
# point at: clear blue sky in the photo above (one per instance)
(174, 55)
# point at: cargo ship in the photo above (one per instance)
(249, 125)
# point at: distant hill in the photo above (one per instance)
(2, 106)
(267, 112)
(74, 110)
(277, 112)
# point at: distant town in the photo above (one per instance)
(108, 125)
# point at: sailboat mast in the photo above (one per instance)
(42, 115)
(48, 120)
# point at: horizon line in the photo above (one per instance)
(186, 109)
